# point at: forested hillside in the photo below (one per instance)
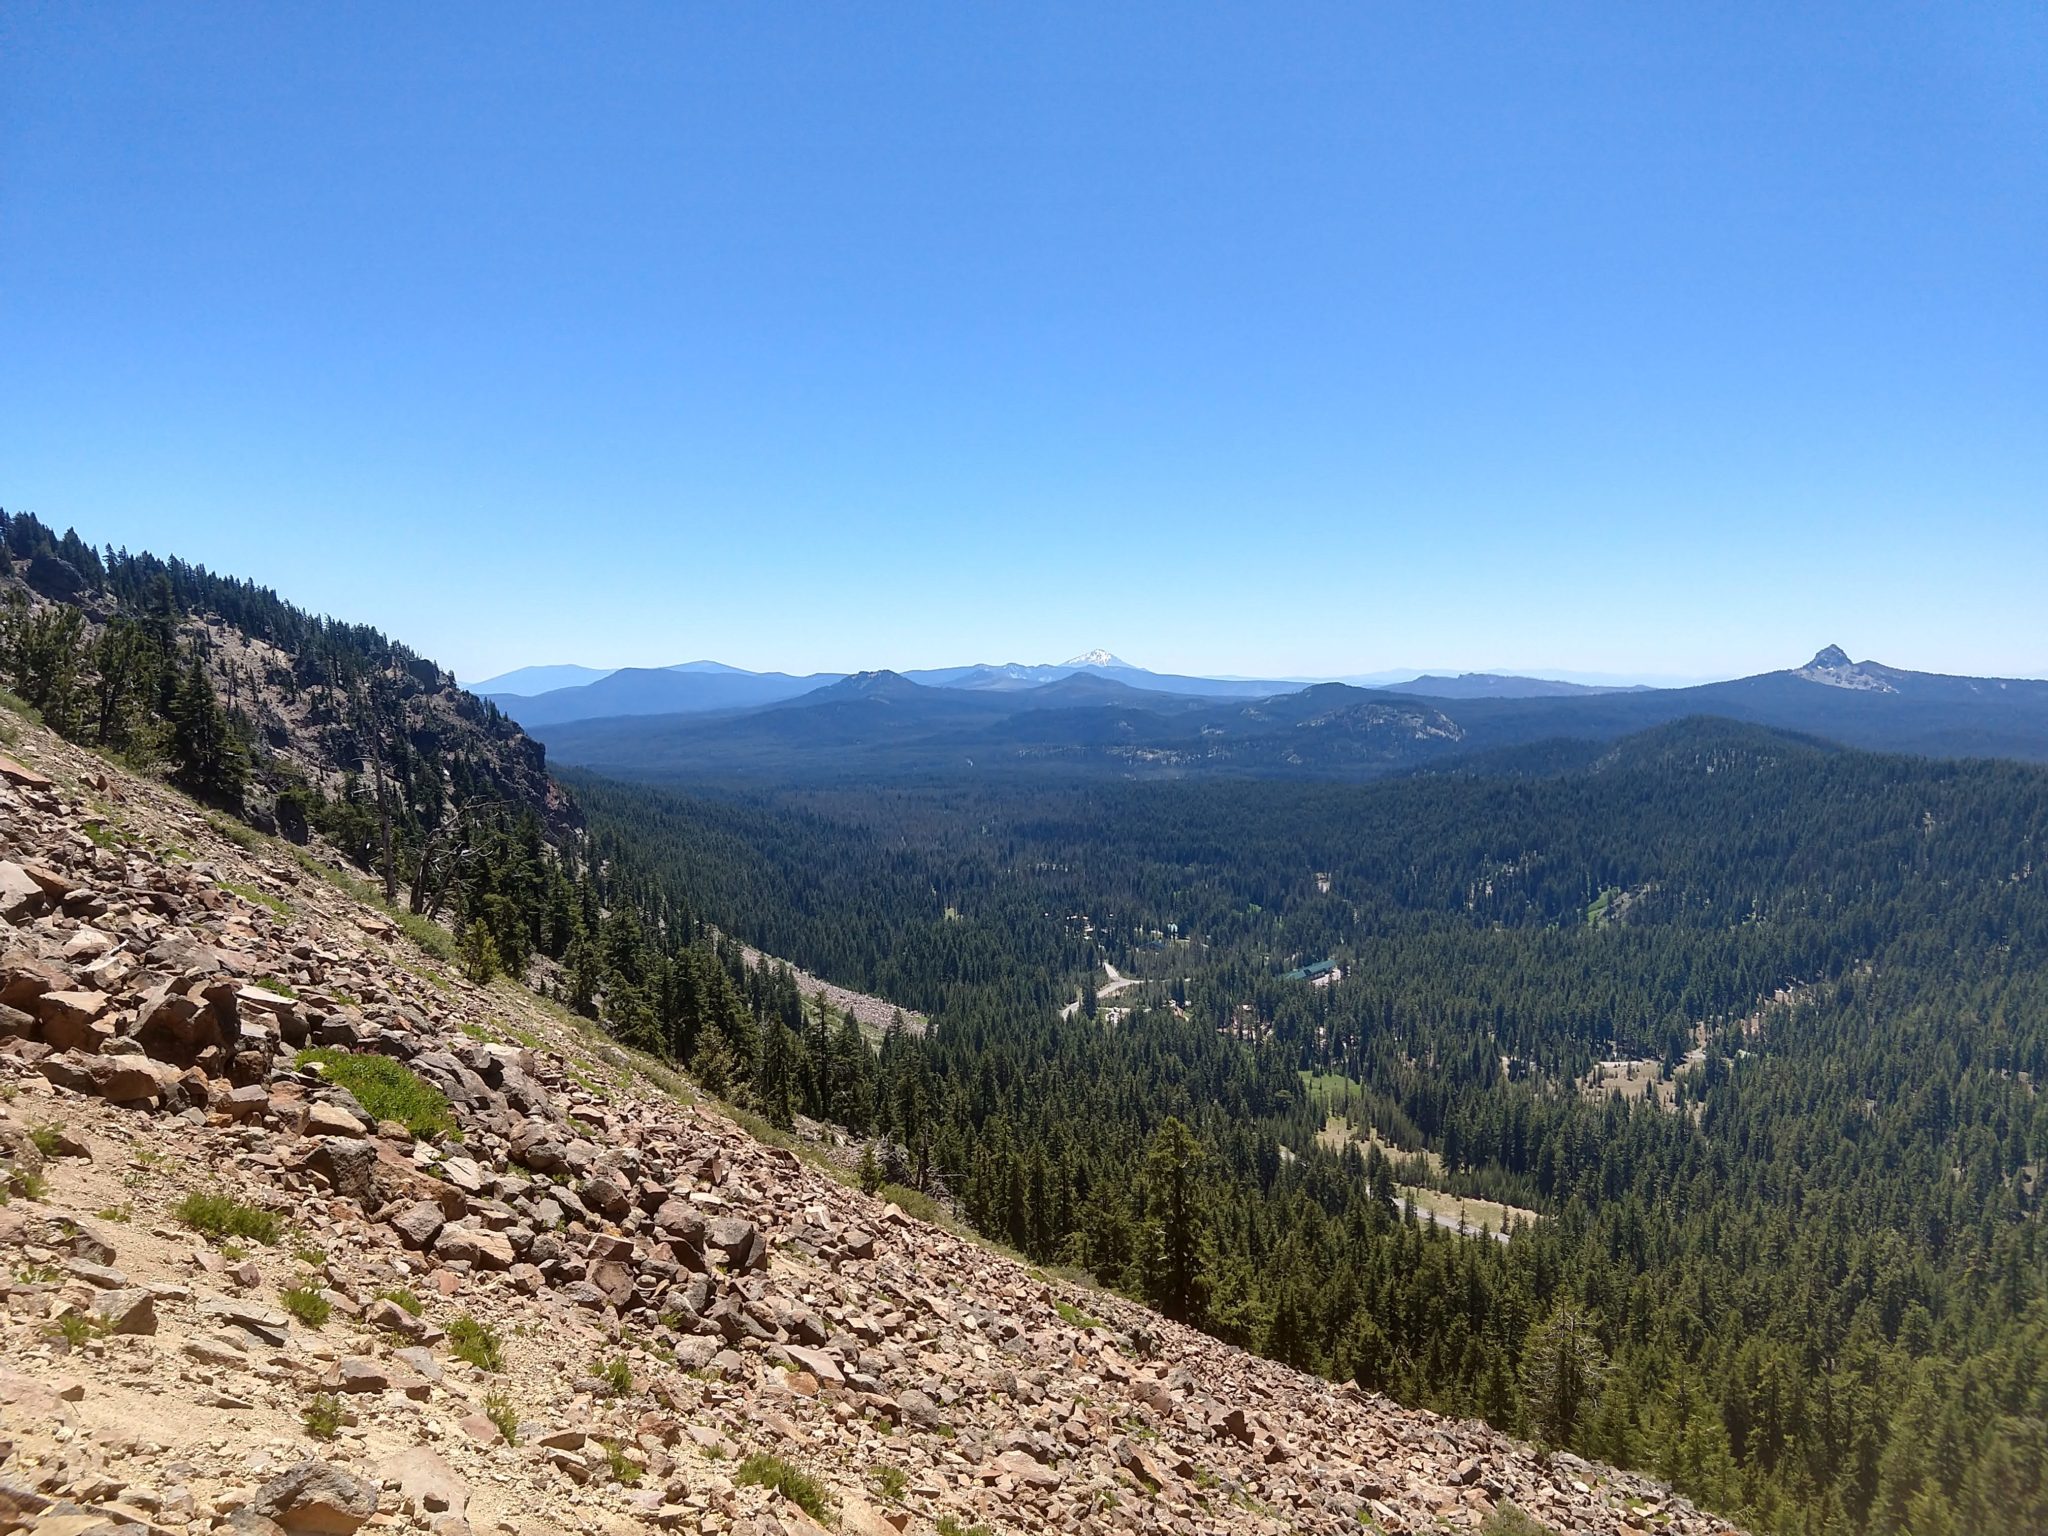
(1802, 1275)
(1742, 1031)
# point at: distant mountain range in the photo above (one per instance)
(554, 695)
(1094, 719)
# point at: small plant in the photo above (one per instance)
(30, 1184)
(889, 1481)
(38, 1274)
(615, 1375)
(324, 1416)
(311, 1257)
(387, 1089)
(278, 985)
(477, 1343)
(624, 1470)
(234, 1253)
(480, 962)
(307, 1305)
(123, 1213)
(1074, 1316)
(75, 1328)
(949, 1525)
(762, 1470)
(219, 1215)
(47, 1138)
(402, 1299)
(499, 1410)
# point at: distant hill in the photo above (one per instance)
(660, 691)
(1495, 685)
(1094, 722)
(526, 681)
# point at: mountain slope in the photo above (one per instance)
(663, 1313)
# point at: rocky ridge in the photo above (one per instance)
(600, 1309)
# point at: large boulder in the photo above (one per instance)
(316, 1499)
(71, 1020)
(128, 1079)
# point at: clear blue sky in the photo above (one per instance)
(1265, 339)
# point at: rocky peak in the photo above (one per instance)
(1832, 668)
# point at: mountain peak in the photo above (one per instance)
(1832, 668)
(1095, 658)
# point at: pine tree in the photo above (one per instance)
(205, 754)
(1562, 1367)
(1175, 1227)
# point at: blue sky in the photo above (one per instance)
(1261, 339)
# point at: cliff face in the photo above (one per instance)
(473, 1268)
(329, 714)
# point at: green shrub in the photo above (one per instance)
(323, 1417)
(762, 1470)
(616, 1376)
(624, 1470)
(949, 1525)
(387, 1089)
(476, 1342)
(499, 1410)
(218, 1215)
(890, 1481)
(46, 1138)
(307, 1305)
(74, 1328)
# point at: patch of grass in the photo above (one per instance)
(311, 1257)
(278, 985)
(324, 1416)
(402, 1299)
(219, 1215)
(236, 833)
(1506, 1520)
(102, 834)
(914, 1202)
(37, 1274)
(890, 1482)
(476, 1342)
(46, 1138)
(123, 1213)
(307, 1305)
(949, 1525)
(275, 905)
(499, 1410)
(387, 1089)
(761, 1470)
(615, 1375)
(1073, 1316)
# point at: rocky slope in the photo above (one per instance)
(651, 1302)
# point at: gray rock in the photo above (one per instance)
(129, 1311)
(316, 1499)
